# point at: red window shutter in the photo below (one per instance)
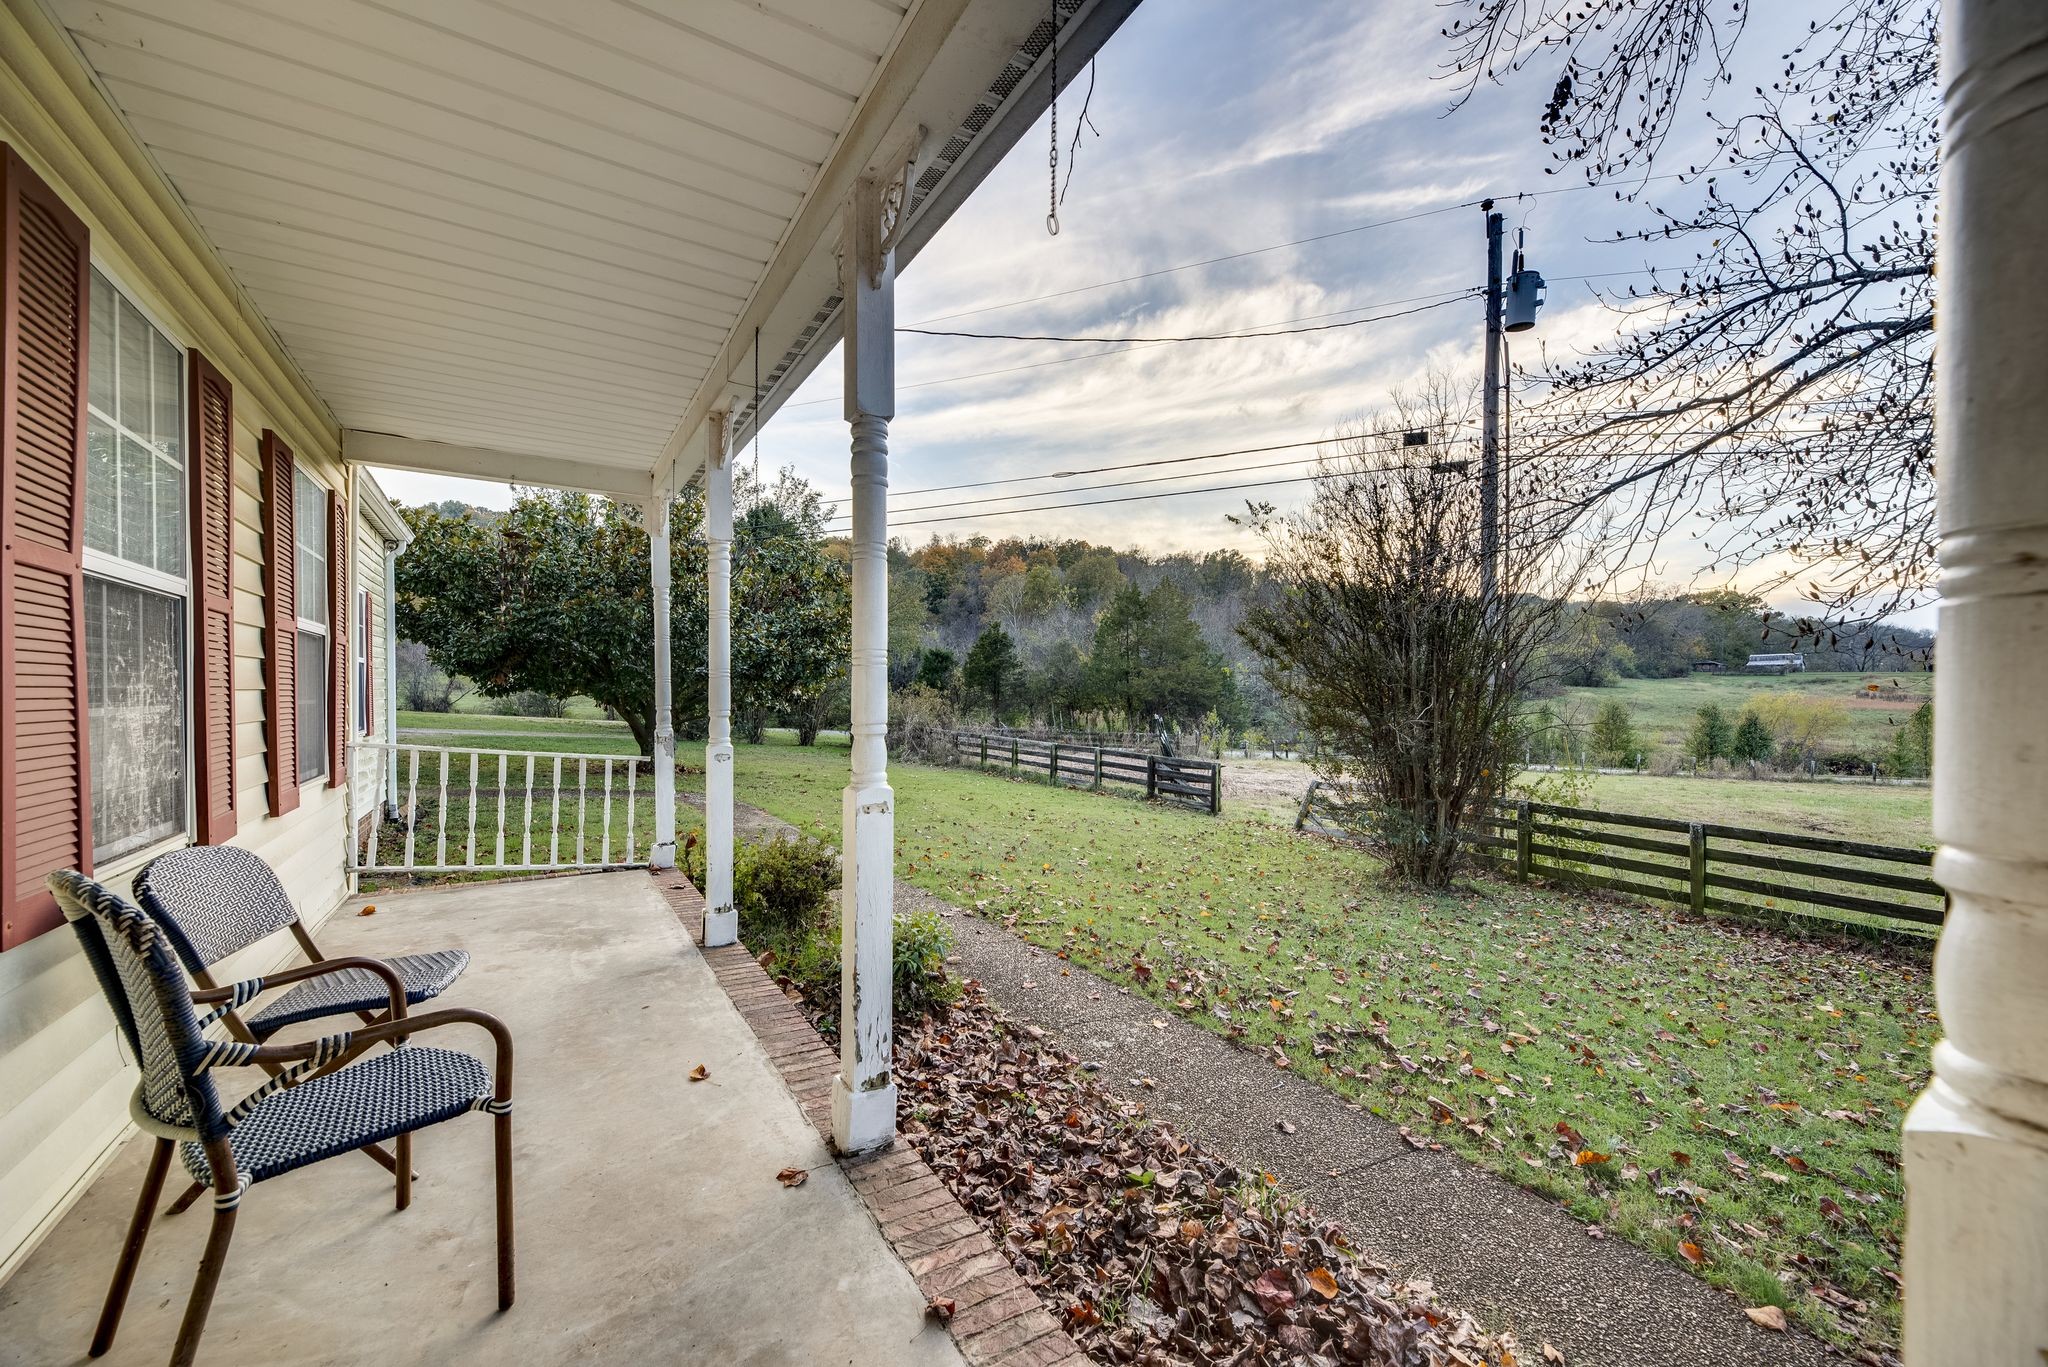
(211, 451)
(281, 629)
(340, 659)
(45, 751)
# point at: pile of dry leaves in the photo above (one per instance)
(1150, 1250)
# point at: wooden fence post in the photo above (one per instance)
(1052, 765)
(1098, 768)
(984, 752)
(1524, 836)
(1696, 837)
(1151, 776)
(1216, 789)
(1308, 798)
(1013, 757)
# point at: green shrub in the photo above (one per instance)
(783, 892)
(779, 887)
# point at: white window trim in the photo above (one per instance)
(313, 626)
(119, 570)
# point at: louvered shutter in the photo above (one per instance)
(45, 780)
(281, 621)
(339, 658)
(211, 452)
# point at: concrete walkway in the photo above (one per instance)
(651, 1226)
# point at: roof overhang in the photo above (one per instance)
(500, 245)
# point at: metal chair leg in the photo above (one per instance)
(131, 1251)
(504, 1164)
(404, 1169)
(210, 1265)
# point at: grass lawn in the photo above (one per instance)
(1727, 1097)
(1874, 814)
(1664, 708)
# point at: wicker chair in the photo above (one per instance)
(216, 900)
(322, 1103)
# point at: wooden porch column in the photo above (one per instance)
(864, 1093)
(663, 853)
(721, 919)
(1976, 1142)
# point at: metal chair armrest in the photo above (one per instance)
(283, 977)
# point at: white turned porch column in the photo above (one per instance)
(663, 853)
(721, 919)
(864, 1093)
(1976, 1143)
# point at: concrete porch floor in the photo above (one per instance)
(651, 1228)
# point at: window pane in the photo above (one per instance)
(168, 498)
(135, 694)
(311, 532)
(312, 685)
(138, 520)
(167, 391)
(131, 378)
(102, 530)
(100, 393)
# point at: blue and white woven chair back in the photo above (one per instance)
(152, 1003)
(212, 901)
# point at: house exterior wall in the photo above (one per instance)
(63, 1085)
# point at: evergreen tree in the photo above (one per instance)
(1150, 658)
(1913, 747)
(935, 670)
(991, 666)
(1752, 739)
(1614, 732)
(1711, 735)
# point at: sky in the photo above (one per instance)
(1224, 130)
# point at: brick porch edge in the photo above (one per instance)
(998, 1321)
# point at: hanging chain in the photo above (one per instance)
(1052, 192)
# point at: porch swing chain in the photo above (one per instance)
(1052, 209)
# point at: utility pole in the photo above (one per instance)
(1489, 421)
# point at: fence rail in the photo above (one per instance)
(562, 811)
(1699, 864)
(1170, 778)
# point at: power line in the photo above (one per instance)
(1185, 460)
(1446, 296)
(1200, 337)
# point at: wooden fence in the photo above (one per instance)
(1698, 864)
(1189, 782)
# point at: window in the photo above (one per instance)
(309, 519)
(136, 584)
(366, 716)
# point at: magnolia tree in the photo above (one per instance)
(1379, 637)
(554, 597)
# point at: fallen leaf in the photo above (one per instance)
(1273, 1290)
(1586, 1158)
(1284, 1126)
(1550, 1354)
(1324, 1283)
(699, 1073)
(1769, 1316)
(939, 1310)
(792, 1177)
(370, 910)
(1692, 1252)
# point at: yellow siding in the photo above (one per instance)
(63, 1086)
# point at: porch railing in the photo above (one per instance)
(460, 809)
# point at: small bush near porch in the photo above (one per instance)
(1727, 1097)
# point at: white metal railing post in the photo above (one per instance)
(864, 1092)
(721, 918)
(663, 853)
(1976, 1142)
(441, 812)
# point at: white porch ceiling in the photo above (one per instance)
(547, 230)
